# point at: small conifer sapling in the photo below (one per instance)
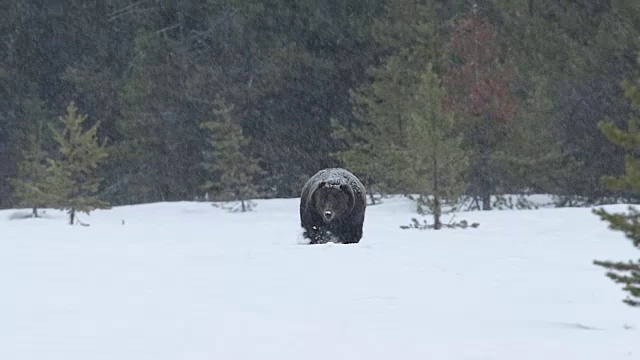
(231, 171)
(74, 182)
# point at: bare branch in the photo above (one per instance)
(128, 10)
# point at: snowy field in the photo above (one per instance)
(188, 281)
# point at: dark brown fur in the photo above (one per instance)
(332, 207)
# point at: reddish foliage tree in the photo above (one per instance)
(479, 86)
(479, 90)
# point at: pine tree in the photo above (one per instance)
(531, 157)
(30, 183)
(231, 170)
(383, 112)
(74, 184)
(627, 273)
(374, 145)
(358, 150)
(434, 149)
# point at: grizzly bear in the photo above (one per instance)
(332, 207)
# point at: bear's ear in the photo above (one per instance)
(349, 191)
(314, 190)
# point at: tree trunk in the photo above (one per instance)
(244, 208)
(486, 201)
(483, 172)
(35, 212)
(72, 216)
(373, 200)
(437, 225)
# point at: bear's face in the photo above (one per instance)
(332, 201)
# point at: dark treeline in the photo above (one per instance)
(521, 86)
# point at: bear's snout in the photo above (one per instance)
(328, 215)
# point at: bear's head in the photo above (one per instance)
(332, 201)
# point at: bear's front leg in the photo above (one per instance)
(353, 235)
(314, 234)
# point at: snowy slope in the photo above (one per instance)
(190, 281)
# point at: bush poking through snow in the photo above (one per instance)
(237, 206)
(424, 225)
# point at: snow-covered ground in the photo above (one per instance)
(189, 281)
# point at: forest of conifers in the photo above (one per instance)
(490, 97)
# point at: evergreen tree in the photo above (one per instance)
(531, 155)
(410, 33)
(381, 130)
(161, 144)
(434, 149)
(74, 183)
(30, 182)
(232, 172)
(627, 273)
(357, 154)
